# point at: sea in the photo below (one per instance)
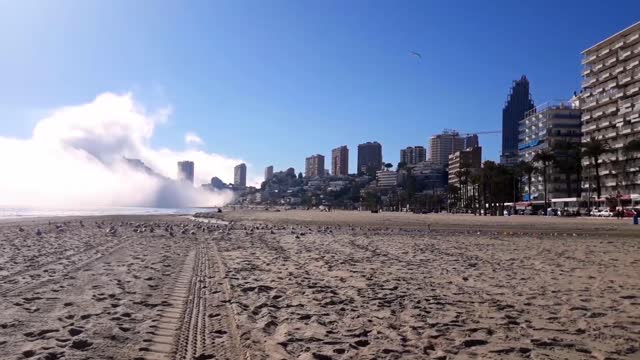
(20, 213)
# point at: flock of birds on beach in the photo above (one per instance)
(192, 228)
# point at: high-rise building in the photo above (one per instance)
(518, 103)
(314, 166)
(413, 155)
(185, 171)
(369, 157)
(543, 128)
(240, 175)
(471, 141)
(268, 173)
(443, 145)
(340, 161)
(610, 103)
(464, 159)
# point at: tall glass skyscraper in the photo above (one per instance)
(518, 103)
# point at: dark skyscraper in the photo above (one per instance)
(518, 103)
(369, 157)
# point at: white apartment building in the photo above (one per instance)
(542, 128)
(610, 103)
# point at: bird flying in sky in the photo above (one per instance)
(416, 54)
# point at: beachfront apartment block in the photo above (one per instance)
(610, 102)
(551, 126)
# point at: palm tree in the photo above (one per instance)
(489, 171)
(567, 160)
(631, 147)
(452, 191)
(592, 150)
(527, 168)
(475, 181)
(545, 157)
(466, 172)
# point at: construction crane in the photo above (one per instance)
(451, 131)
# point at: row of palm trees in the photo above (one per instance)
(488, 187)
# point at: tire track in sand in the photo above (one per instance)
(197, 322)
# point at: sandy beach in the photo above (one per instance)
(311, 285)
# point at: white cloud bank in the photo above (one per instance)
(75, 159)
(192, 138)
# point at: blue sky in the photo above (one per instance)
(272, 82)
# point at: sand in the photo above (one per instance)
(311, 285)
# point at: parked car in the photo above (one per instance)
(595, 212)
(606, 213)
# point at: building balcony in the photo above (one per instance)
(626, 129)
(629, 102)
(632, 89)
(618, 44)
(624, 53)
(610, 84)
(632, 38)
(598, 66)
(625, 77)
(590, 102)
(586, 116)
(604, 52)
(611, 109)
(632, 64)
(604, 123)
(586, 59)
(618, 69)
(589, 81)
(618, 120)
(605, 75)
(610, 61)
(589, 128)
(617, 94)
